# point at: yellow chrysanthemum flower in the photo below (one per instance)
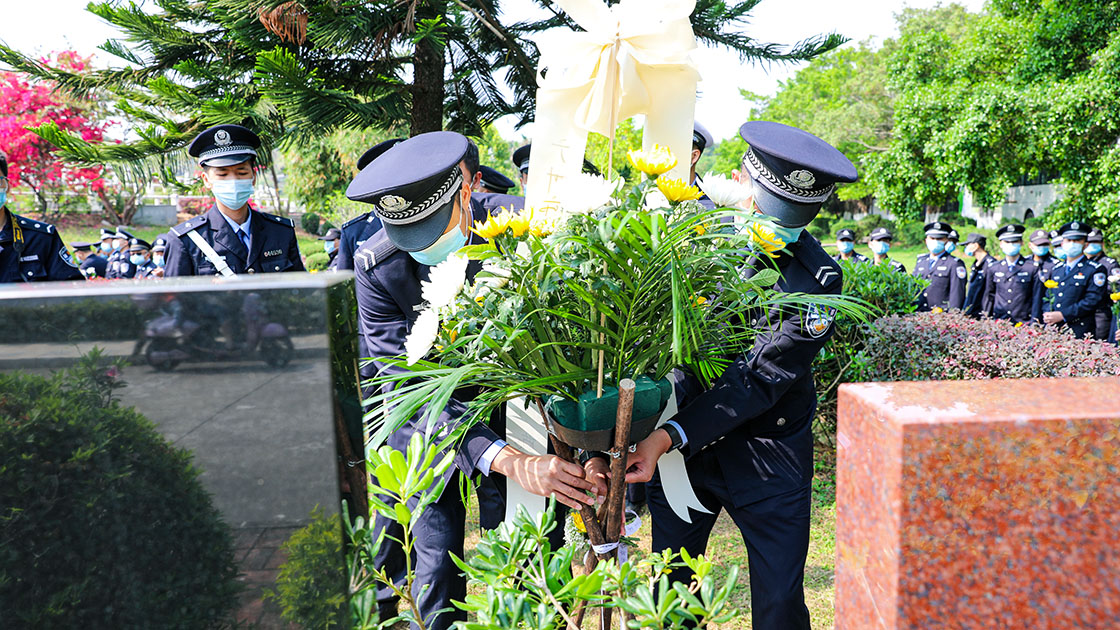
(1115, 297)
(938, 309)
(764, 237)
(1018, 324)
(700, 229)
(654, 162)
(577, 520)
(1051, 284)
(519, 223)
(493, 226)
(677, 189)
(699, 300)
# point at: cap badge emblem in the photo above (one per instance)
(802, 179)
(221, 138)
(393, 203)
(1075, 226)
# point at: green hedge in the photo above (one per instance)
(103, 523)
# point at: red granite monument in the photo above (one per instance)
(979, 504)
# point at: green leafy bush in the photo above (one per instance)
(311, 586)
(310, 222)
(952, 346)
(317, 261)
(819, 227)
(909, 234)
(103, 523)
(844, 359)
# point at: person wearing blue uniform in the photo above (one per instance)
(701, 140)
(954, 241)
(1013, 287)
(140, 256)
(946, 274)
(159, 253)
(419, 191)
(747, 441)
(976, 246)
(879, 241)
(1094, 251)
(106, 246)
(1040, 253)
(89, 263)
(231, 238)
(846, 247)
(492, 192)
(1081, 284)
(330, 246)
(118, 266)
(30, 250)
(358, 230)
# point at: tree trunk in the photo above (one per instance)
(427, 76)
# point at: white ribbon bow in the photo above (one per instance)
(632, 58)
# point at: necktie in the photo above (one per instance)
(244, 239)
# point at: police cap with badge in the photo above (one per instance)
(938, 229)
(1074, 231)
(701, 137)
(880, 234)
(107, 234)
(81, 246)
(978, 239)
(412, 187)
(123, 233)
(1011, 233)
(494, 181)
(1040, 237)
(138, 245)
(794, 172)
(376, 150)
(845, 235)
(160, 244)
(1095, 236)
(332, 234)
(521, 161)
(224, 145)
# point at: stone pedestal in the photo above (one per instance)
(983, 504)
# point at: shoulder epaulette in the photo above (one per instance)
(818, 263)
(358, 219)
(376, 249)
(277, 219)
(38, 226)
(187, 226)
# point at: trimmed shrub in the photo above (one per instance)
(310, 222)
(952, 346)
(103, 523)
(317, 261)
(819, 227)
(312, 583)
(909, 234)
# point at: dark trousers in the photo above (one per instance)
(775, 530)
(1103, 324)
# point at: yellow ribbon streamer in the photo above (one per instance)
(632, 58)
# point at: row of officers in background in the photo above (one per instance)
(1063, 280)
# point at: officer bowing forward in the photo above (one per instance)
(747, 441)
(1077, 285)
(946, 273)
(30, 250)
(418, 190)
(231, 238)
(1013, 286)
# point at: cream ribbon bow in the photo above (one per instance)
(632, 58)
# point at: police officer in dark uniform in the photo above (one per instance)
(330, 245)
(1040, 253)
(879, 241)
(159, 253)
(118, 266)
(357, 230)
(1013, 288)
(231, 238)
(30, 251)
(419, 191)
(493, 181)
(976, 246)
(140, 256)
(89, 263)
(493, 192)
(747, 441)
(846, 247)
(701, 140)
(1094, 251)
(946, 274)
(954, 240)
(106, 246)
(1081, 284)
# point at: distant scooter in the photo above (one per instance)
(170, 340)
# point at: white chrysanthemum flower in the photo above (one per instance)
(724, 191)
(493, 275)
(422, 336)
(444, 282)
(655, 199)
(589, 192)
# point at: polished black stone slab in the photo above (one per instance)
(254, 376)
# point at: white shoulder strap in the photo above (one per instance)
(211, 255)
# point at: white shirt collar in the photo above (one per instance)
(239, 227)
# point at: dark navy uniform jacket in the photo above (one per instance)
(977, 279)
(856, 257)
(355, 232)
(145, 270)
(494, 202)
(39, 254)
(94, 266)
(1013, 290)
(946, 275)
(1080, 288)
(125, 268)
(113, 265)
(1045, 264)
(757, 418)
(1103, 315)
(388, 288)
(272, 246)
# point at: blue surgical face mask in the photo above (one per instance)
(1072, 250)
(157, 260)
(1092, 249)
(845, 247)
(118, 244)
(1040, 250)
(3, 197)
(1059, 252)
(232, 193)
(880, 247)
(106, 246)
(950, 247)
(136, 259)
(328, 246)
(444, 246)
(1011, 249)
(935, 247)
(787, 234)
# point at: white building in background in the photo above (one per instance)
(1021, 203)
